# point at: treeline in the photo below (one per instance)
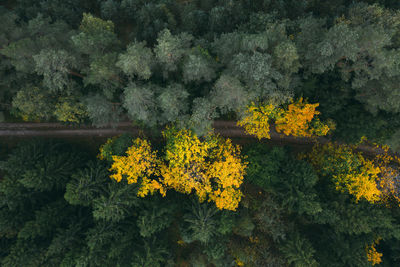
(59, 207)
(190, 62)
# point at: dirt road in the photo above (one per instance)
(224, 128)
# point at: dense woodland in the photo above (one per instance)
(180, 195)
(157, 62)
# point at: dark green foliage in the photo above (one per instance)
(41, 165)
(117, 146)
(116, 203)
(290, 180)
(203, 114)
(103, 73)
(270, 219)
(32, 103)
(87, 184)
(300, 211)
(171, 49)
(154, 217)
(198, 66)
(95, 36)
(54, 65)
(229, 94)
(200, 223)
(299, 252)
(244, 226)
(150, 254)
(173, 101)
(99, 224)
(264, 165)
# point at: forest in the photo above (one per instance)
(178, 193)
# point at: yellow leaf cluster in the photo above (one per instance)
(256, 120)
(212, 168)
(298, 119)
(186, 159)
(389, 179)
(139, 163)
(350, 171)
(373, 256)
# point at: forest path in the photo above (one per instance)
(224, 128)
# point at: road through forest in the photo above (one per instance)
(224, 128)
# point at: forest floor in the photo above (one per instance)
(10, 133)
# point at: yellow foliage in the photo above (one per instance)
(256, 120)
(389, 178)
(212, 169)
(373, 256)
(295, 120)
(69, 111)
(350, 171)
(299, 119)
(139, 163)
(376, 180)
(239, 262)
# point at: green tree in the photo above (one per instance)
(137, 61)
(140, 103)
(101, 111)
(299, 252)
(103, 74)
(55, 66)
(95, 36)
(199, 224)
(32, 103)
(171, 49)
(173, 102)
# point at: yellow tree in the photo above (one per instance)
(373, 256)
(211, 168)
(257, 119)
(140, 165)
(298, 119)
(350, 171)
(389, 178)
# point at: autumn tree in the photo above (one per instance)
(257, 120)
(298, 119)
(139, 163)
(212, 169)
(372, 254)
(349, 171)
